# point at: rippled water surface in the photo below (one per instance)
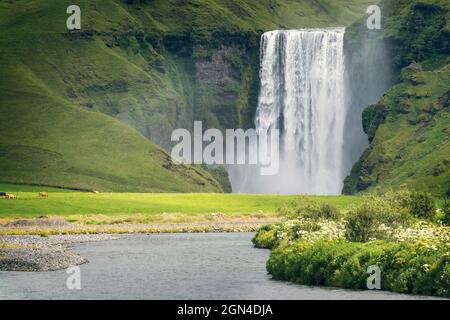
(171, 266)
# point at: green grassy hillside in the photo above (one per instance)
(48, 139)
(409, 128)
(69, 101)
(50, 142)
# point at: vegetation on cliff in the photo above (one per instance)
(158, 65)
(409, 128)
(71, 101)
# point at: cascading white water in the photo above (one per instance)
(302, 95)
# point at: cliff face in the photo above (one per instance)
(76, 107)
(408, 127)
(227, 84)
(213, 79)
(187, 60)
(157, 65)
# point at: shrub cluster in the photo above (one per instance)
(421, 204)
(266, 237)
(373, 219)
(318, 246)
(379, 215)
(405, 267)
(270, 236)
(311, 210)
(446, 213)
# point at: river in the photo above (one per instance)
(172, 266)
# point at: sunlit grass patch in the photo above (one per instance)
(153, 207)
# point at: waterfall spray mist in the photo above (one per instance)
(302, 95)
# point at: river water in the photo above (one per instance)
(172, 266)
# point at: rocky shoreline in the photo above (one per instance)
(43, 244)
(37, 253)
(46, 227)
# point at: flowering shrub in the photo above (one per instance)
(423, 232)
(446, 213)
(421, 204)
(310, 209)
(266, 237)
(413, 255)
(307, 229)
(405, 267)
(373, 218)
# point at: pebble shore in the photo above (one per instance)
(43, 244)
(36, 253)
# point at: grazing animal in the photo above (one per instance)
(43, 194)
(95, 191)
(10, 196)
(218, 215)
(2, 194)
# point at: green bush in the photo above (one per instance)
(365, 221)
(421, 267)
(422, 205)
(405, 267)
(311, 210)
(288, 210)
(265, 237)
(307, 208)
(401, 198)
(446, 212)
(329, 211)
(362, 224)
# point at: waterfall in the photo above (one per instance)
(302, 95)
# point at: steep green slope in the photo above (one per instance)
(160, 64)
(153, 65)
(409, 128)
(46, 141)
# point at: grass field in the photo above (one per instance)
(146, 207)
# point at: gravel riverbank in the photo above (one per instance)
(36, 253)
(43, 244)
(37, 227)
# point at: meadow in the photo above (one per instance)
(75, 206)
